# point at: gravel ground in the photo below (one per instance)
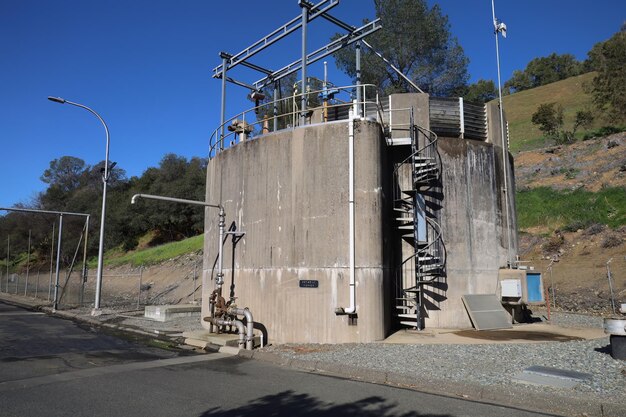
(487, 364)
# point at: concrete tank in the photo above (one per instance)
(288, 191)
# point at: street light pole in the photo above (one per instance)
(105, 180)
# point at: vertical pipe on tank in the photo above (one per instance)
(305, 18)
(223, 109)
(358, 79)
(352, 308)
(275, 106)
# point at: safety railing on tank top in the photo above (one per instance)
(324, 105)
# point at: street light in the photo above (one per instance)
(105, 180)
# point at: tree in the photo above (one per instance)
(609, 85)
(64, 173)
(417, 40)
(545, 70)
(549, 118)
(481, 92)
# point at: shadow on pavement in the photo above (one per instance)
(290, 404)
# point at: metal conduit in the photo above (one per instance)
(352, 308)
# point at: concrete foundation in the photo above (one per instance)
(170, 312)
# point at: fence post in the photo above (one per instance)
(37, 287)
(27, 264)
(193, 290)
(139, 292)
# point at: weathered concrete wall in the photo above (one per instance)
(288, 191)
(471, 220)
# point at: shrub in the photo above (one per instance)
(594, 229)
(603, 131)
(575, 226)
(612, 240)
(554, 243)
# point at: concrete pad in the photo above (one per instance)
(558, 373)
(553, 377)
(520, 333)
(219, 339)
(169, 312)
(229, 350)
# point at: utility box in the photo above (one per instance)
(521, 286)
(511, 288)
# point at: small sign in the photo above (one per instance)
(309, 283)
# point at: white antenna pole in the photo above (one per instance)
(505, 149)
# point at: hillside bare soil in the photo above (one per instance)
(590, 165)
(579, 259)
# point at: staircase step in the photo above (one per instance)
(425, 165)
(409, 323)
(423, 158)
(399, 141)
(427, 268)
(405, 307)
(404, 210)
(407, 316)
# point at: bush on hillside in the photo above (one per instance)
(612, 240)
(594, 229)
(603, 131)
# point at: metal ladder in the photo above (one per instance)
(415, 220)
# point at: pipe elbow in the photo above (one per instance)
(340, 311)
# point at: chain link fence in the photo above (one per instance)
(127, 287)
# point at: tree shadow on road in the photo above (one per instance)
(290, 404)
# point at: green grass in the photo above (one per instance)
(562, 209)
(519, 108)
(154, 255)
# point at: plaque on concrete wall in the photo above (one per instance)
(309, 283)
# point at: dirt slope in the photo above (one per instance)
(579, 259)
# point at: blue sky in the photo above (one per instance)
(145, 66)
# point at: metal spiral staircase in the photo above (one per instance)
(417, 199)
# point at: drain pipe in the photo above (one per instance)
(352, 308)
(249, 324)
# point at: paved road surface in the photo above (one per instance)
(54, 367)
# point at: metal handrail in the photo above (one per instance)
(249, 122)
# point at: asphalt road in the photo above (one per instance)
(54, 367)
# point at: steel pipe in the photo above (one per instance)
(249, 324)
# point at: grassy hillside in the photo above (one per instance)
(153, 255)
(519, 108)
(571, 210)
